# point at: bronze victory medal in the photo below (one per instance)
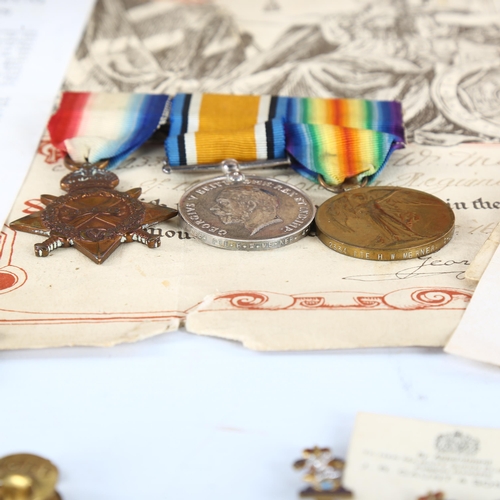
(385, 223)
(253, 214)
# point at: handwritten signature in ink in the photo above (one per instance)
(426, 267)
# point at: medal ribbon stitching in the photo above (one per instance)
(337, 138)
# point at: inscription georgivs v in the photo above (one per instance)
(255, 214)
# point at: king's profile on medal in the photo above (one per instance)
(251, 213)
(253, 207)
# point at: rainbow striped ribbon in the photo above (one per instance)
(337, 138)
(342, 138)
(93, 127)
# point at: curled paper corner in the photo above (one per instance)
(261, 320)
(484, 256)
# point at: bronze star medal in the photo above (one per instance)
(93, 217)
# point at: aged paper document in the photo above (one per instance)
(443, 67)
(484, 256)
(403, 459)
(477, 336)
(299, 297)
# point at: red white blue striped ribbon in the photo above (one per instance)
(91, 126)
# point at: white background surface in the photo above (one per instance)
(181, 416)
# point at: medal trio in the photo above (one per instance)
(330, 141)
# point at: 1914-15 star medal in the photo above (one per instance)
(93, 217)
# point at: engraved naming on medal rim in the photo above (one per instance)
(255, 214)
(385, 223)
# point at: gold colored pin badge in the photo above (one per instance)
(27, 477)
(324, 473)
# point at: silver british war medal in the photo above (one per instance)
(240, 212)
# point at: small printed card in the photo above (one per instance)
(402, 459)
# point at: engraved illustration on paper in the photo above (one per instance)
(439, 58)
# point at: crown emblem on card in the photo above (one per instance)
(457, 443)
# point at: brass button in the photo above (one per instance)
(27, 477)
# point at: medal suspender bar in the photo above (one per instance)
(97, 131)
